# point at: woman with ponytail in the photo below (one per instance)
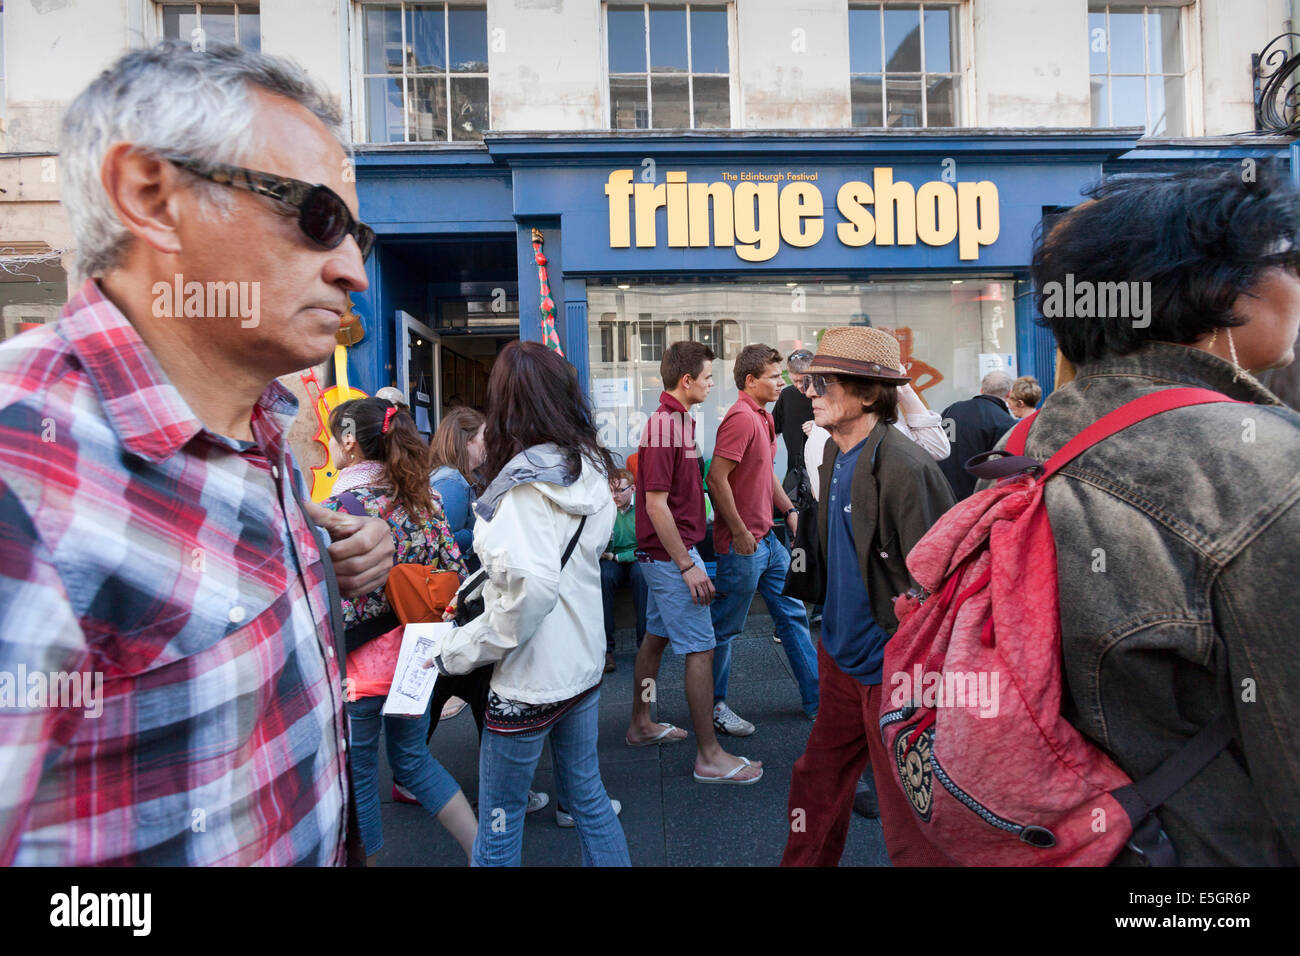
(383, 467)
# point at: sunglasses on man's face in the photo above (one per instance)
(323, 216)
(818, 384)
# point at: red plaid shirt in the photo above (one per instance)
(169, 567)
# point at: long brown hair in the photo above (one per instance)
(450, 443)
(533, 397)
(401, 449)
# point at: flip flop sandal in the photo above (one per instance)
(728, 778)
(659, 738)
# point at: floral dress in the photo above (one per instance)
(429, 542)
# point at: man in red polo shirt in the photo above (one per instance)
(751, 559)
(669, 524)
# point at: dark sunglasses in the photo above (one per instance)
(323, 216)
(817, 383)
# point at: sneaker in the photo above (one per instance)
(402, 795)
(564, 819)
(536, 800)
(726, 721)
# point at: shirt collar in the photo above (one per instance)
(667, 400)
(143, 407)
(1183, 365)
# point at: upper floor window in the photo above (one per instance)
(202, 23)
(425, 72)
(669, 66)
(903, 64)
(1135, 57)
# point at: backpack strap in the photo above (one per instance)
(573, 542)
(1142, 798)
(1128, 414)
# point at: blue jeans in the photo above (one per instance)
(739, 576)
(506, 763)
(409, 757)
(612, 575)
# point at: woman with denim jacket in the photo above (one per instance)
(383, 466)
(1178, 539)
(541, 627)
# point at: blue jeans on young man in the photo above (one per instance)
(506, 765)
(408, 756)
(739, 577)
(613, 575)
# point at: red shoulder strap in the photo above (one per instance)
(1128, 414)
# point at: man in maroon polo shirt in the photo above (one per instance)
(670, 522)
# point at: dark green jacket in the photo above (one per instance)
(898, 492)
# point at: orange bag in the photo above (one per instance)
(418, 593)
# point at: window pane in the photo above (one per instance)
(865, 93)
(712, 102)
(468, 28)
(864, 41)
(1125, 42)
(1128, 101)
(627, 103)
(426, 47)
(218, 22)
(428, 108)
(384, 110)
(903, 101)
(626, 40)
(1167, 106)
(250, 31)
(469, 107)
(903, 39)
(383, 39)
(941, 101)
(179, 21)
(709, 41)
(1100, 113)
(1097, 42)
(667, 40)
(939, 37)
(1164, 48)
(669, 107)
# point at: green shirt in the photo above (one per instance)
(622, 543)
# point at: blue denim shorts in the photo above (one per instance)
(669, 610)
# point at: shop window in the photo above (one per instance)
(669, 66)
(1137, 68)
(950, 333)
(33, 287)
(238, 24)
(425, 72)
(904, 70)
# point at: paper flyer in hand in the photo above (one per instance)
(412, 681)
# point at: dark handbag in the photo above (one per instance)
(806, 579)
(469, 600)
(798, 487)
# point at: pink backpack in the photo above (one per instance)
(971, 702)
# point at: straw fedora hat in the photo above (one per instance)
(861, 351)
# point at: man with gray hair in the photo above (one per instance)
(976, 425)
(151, 523)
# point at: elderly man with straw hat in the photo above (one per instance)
(881, 493)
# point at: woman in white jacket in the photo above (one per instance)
(542, 623)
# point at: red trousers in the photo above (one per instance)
(845, 735)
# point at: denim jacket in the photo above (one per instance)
(1177, 549)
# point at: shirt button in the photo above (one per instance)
(343, 744)
(330, 650)
(275, 471)
(884, 554)
(236, 614)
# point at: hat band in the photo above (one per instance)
(856, 367)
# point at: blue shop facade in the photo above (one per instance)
(727, 238)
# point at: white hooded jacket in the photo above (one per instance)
(542, 627)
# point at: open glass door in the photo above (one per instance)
(421, 362)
